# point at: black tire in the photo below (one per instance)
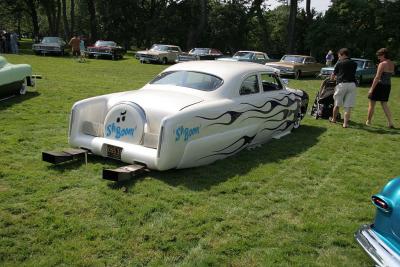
(164, 61)
(297, 75)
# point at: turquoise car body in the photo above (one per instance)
(381, 240)
(366, 70)
(14, 78)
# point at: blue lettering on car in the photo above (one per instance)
(118, 131)
(186, 133)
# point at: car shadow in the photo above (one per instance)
(7, 102)
(205, 177)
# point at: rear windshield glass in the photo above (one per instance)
(195, 80)
(294, 59)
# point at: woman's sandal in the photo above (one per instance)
(331, 120)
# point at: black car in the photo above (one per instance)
(49, 45)
(200, 54)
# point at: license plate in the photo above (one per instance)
(114, 152)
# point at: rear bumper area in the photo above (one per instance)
(130, 153)
(382, 254)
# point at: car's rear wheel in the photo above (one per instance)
(359, 80)
(297, 74)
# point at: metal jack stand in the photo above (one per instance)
(124, 173)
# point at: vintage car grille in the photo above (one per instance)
(48, 48)
(147, 56)
(326, 72)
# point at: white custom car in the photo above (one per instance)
(191, 114)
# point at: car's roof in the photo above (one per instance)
(249, 51)
(166, 45)
(296, 56)
(222, 69)
(360, 59)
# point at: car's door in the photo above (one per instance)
(370, 70)
(311, 65)
(173, 53)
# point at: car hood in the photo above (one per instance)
(150, 52)
(283, 64)
(48, 44)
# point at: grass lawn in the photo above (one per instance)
(293, 201)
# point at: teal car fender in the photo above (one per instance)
(381, 240)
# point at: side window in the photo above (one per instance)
(260, 56)
(270, 82)
(249, 86)
(310, 60)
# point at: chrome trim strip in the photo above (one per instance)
(382, 254)
(160, 140)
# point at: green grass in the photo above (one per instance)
(294, 201)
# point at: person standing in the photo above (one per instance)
(75, 43)
(380, 88)
(345, 90)
(329, 58)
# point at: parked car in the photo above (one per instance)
(191, 114)
(108, 49)
(159, 53)
(381, 240)
(14, 78)
(200, 54)
(249, 56)
(366, 70)
(297, 66)
(50, 45)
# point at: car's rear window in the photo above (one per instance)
(192, 79)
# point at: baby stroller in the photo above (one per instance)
(324, 103)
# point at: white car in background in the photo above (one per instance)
(159, 53)
(191, 114)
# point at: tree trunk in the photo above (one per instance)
(72, 16)
(292, 25)
(92, 18)
(58, 17)
(256, 8)
(65, 20)
(195, 32)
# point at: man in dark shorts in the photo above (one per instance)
(74, 43)
(345, 90)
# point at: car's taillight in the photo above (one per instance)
(381, 203)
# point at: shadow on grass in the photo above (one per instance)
(374, 129)
(8, 102)
(205, 177)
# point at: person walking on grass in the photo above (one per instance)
(74, 43)
(345, 90)
(380, 88)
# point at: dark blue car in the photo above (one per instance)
(381, 240)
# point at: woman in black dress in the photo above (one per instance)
(380, 88)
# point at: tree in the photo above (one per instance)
(292, 25)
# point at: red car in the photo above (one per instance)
(105, 49)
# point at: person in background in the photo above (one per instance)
(82, 49)
(380, 88)
(345, 90)
(75, 43)
(14, 43)
(329, 58)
